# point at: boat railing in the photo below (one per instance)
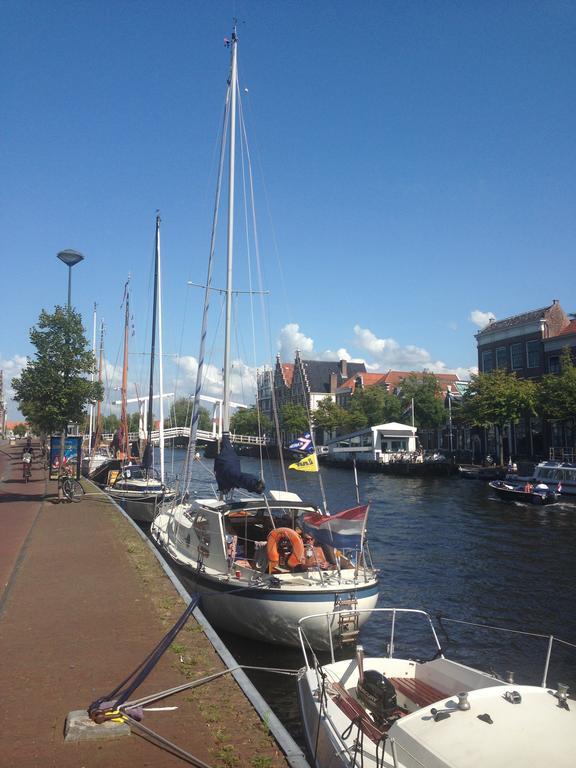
(565, 455)
(312, 662)
(331, 616)
(551, 639)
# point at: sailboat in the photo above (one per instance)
(99, 454)
(140, 487)
(247, 555)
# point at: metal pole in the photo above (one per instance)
(69, 286)
(230, 240)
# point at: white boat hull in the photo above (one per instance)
(272, 616)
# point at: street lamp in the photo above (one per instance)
(70, 258)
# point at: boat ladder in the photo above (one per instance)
(348, 628)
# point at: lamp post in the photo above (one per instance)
(70, 258)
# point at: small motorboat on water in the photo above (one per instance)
(525, 493)
(389, 712)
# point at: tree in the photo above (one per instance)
(328, 416)
(181, 413)
(355, 417)
(498, 398)
(424, 390)
(53, 389)
(379, 406)
(110, 423)
(250, 421)
(557, 391)
(294, 418)
(20, 430)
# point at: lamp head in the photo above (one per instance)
(70, 257)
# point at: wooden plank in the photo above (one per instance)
(355, 711)
(417, 691)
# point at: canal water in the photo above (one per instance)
(449, 547)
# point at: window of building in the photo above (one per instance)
(487, 363)
(533, 354)
(516, 357)
(554, 364)
(501, 358)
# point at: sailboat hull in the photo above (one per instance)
(239, 593)
(272, 616)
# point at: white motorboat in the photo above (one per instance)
(388, 712)
(559, 476)
(232, 552)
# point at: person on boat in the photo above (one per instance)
(314, 556)
(528, 488)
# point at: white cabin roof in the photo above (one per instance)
(393, 427)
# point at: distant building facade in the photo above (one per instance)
(529, 345)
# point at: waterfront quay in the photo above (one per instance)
(83, 601)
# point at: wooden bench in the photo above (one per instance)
(418, 692)
(356, 712)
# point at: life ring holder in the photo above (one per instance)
(274, 537)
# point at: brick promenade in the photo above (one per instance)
(82, 603)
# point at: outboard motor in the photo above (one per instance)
(378, 695)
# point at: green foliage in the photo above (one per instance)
(53, 389)
(250, 421)
(110, 423)
(134, 422)
(294, 418)
(429, 410)
(181, 413)
(498, 398)
(557, 392)
(378, 405)
(20, 430)
(328, 415)
(355, 418)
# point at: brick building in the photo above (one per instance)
(529, 345)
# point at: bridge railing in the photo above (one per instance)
(172, 433)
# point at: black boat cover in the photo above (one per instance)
(228, 471)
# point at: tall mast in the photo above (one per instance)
(230, 242)
(148, 458)
(99, 404)
(91, 423)
(160, 359)
(124, 390)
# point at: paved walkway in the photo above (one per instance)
(82, 603)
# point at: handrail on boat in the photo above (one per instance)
(332, 615)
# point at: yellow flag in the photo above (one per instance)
(307, 464)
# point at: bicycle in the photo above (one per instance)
(26, 471)
(72, 490)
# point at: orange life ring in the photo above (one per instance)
(274, 538)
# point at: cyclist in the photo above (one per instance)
(26, 464)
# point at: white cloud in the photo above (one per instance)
(481, 319)
(242, 380)
(389, 354)
(291, 339)
(12, 368)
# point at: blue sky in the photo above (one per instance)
(414, 164)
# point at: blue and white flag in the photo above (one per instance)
(303, 444)
(345, 530)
